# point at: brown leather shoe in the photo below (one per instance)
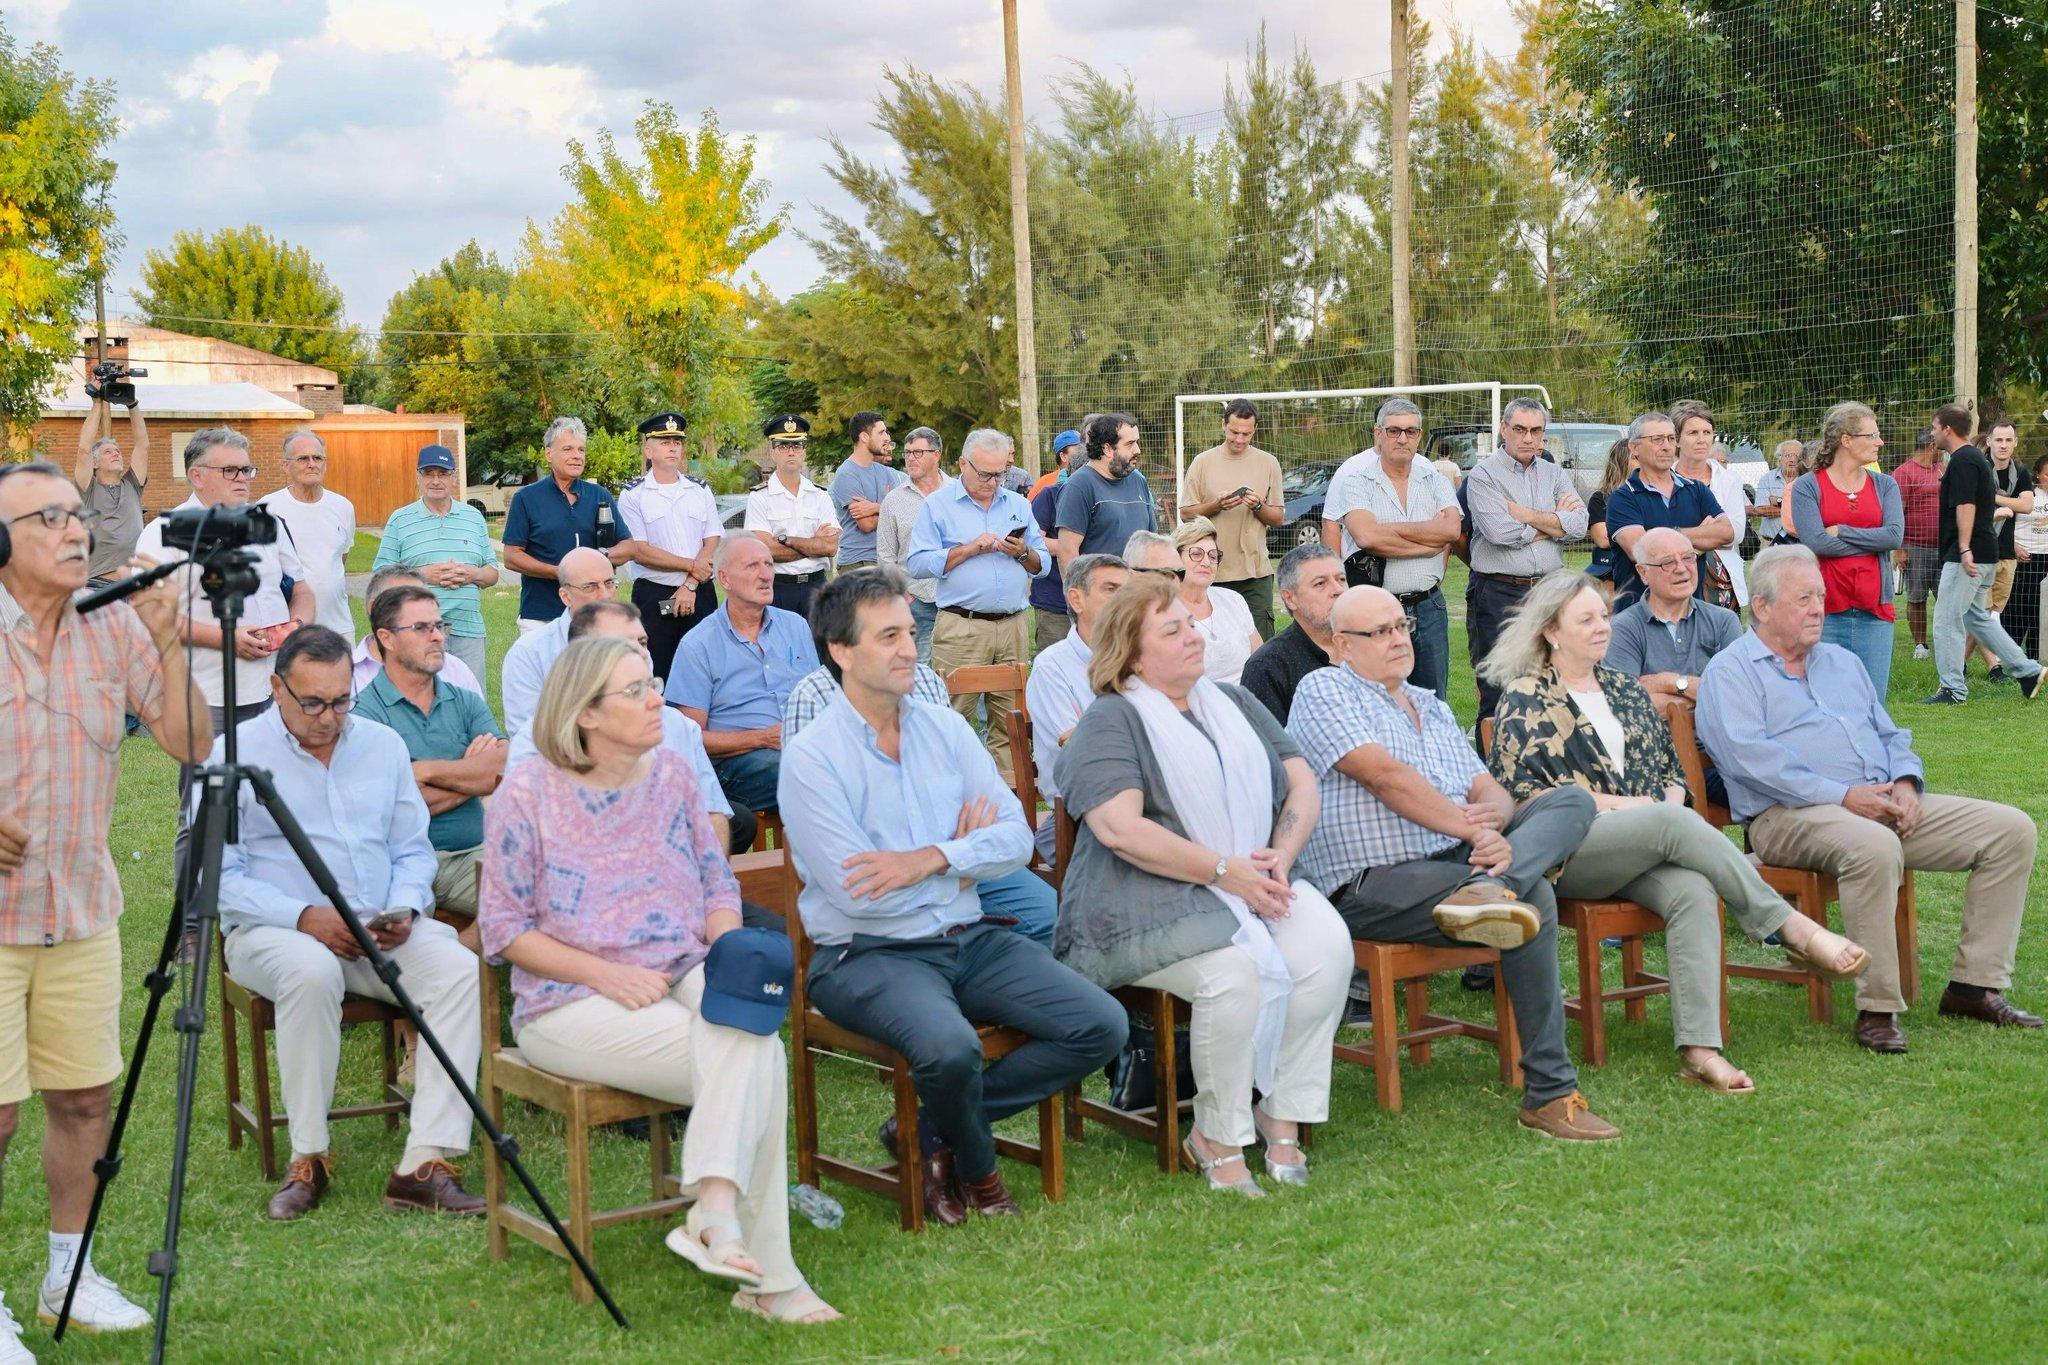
(990, 1196)
(434, 1188)
(1880, 1032)
(1568, 1119)
(305, 1184)
(942, 1202)
(1990, 1008)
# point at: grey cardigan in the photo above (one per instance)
(1854, 540)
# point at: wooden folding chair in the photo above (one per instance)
(812, 1035)
(981, 680)
(1410, 965)
(1810, 892)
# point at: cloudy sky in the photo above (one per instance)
(383, 134)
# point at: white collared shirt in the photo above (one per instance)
(677, 517)
(1056, 693)
(776, 510)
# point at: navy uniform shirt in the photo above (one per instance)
(542, 522)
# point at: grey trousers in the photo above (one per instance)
(1394, 904)
(1962, 613)
(1669, 861)
(474, 650)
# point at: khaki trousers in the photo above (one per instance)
(959, 642)
(735, 1083)
(455, 879)
(1993, 843)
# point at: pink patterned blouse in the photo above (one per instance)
(627, 875)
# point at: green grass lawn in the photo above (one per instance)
(1857, 1207)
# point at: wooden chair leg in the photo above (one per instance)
(1386, 1044)
(494, 1172)
(910, 1148)
(266, 1125)
(1052, 1155)
(1592, 1011)
(1416, 993)
(1907, 927)
(577, 1136)
(1635, 1009)
(1510, 1038)
(231, 1070)
(804, 1099)
(1166, 1086)
(1820, 994)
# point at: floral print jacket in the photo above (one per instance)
(1541, 739)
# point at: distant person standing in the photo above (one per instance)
(2022, 615)
(1724, 579)
(446, 543)
(554, 516)
(1103, 502)
(2014, 496)
(1849, 515)
(923, 449)
(322, 527)
(673, 521)
(1773, 518)
(1051, 618)
(1919, 559)
(1969, 554)
(864, 478)
(1237, 487)
(793, 517)
(111, 485)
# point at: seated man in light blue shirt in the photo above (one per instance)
(894, 813)
(584, 575)
(349, 781)
(1825, 780)
(980, 541)
(733, 673)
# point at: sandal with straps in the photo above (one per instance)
(1247, 1187)
(710, 1244)
(797, 1306)
(1286, 1172)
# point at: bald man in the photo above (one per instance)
(583, 575)
(1418, 844)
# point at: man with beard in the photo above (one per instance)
(1105, 501)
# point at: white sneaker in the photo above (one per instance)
(12, 1352)
(1920, 652)
(99, 1307)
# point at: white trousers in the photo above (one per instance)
(735, 1082)
(1223, 988)
(306, 981)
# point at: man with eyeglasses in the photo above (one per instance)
(584, 575)
(218, 466)
(348, 782)
(321, 525)
(1417, 843)
(1524, 512)
(458, 752)
(1387, 506)
(1658, 495)
(979, 541)
(922, 451)
(65, 681)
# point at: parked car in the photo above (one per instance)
(1303, 488)
(493, 496)
(732, 510)
(1581, 448)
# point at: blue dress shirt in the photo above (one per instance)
(361, 809)
(992, 582)
(542, 521)
(840, 795)
(1778, 740)
(741, 684)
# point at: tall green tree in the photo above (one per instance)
(222, 283)
(425, 322)
(55, 227)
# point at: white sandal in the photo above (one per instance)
(1247, 1187)
(1286, 1172)
(792, 1306)
(713, 1257)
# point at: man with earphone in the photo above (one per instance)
(65, 682)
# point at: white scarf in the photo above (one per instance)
(1236, 768)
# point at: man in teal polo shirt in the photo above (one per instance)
(446, 543)
(458, 752)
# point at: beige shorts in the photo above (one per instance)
(60, 1015)
(455, 881)
(2001, 584)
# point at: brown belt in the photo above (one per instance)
(982, 615)
(1524, 581)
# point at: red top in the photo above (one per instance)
(1854, 582)
(1920, 498)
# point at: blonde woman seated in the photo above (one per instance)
(1194, 804)
(605, 886)
(1565, 719)
(1220, 616)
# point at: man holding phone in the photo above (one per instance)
(350, 783)
(1237, 486)
(978, 539)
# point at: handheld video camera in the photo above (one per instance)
(111, 380)
(201, 532)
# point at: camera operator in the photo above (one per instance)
(112, 484)
(64, 682)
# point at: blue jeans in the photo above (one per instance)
(925, 615)
(1027, 898)
(1432, 642)
(1869, 637)
(749, 779)
(1962, 612)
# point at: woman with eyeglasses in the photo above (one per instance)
(1567, 720)
(607, 937)
(1853, 518)
(1220, 616)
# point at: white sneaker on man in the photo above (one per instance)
(1920, 652)
(99, 1307)
(12, 1351)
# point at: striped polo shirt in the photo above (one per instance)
(416, 537)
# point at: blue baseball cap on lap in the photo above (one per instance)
(747, 979)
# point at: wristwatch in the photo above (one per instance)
(1680, 686)
(1222, 866)
(782, 537)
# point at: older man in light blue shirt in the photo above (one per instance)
(980, 541)
(1826, 781)
(349, 782)
(893, 813)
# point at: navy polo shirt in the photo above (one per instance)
(542, 522)
(1635, 503)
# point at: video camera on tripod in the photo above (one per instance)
(112, 380)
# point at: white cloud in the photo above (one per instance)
(220, 73)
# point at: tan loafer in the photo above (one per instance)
(1569, 1120)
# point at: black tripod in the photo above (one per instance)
(228, 576)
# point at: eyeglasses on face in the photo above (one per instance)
(1208, 556)
(594, 585)
(229, 471)
(634, 691)
(1403, 433)
(1662, 565)
(1405, 626)
(982, 475)
(55, 515)
(318, 706)
(1519, 429)
(421, 628)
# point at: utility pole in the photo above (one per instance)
(1028, 451)
(1400, 201)
(1966, 204)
